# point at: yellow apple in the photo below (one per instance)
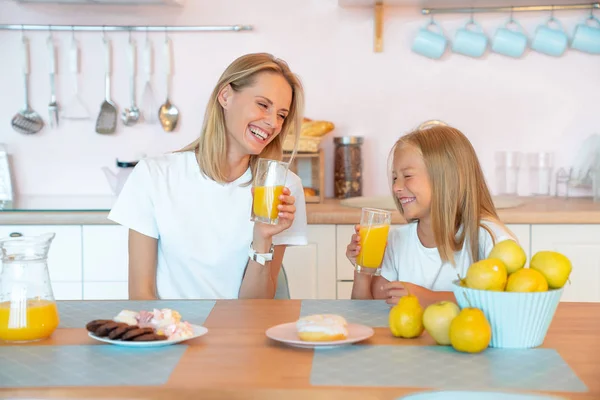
(437, 318)
(488, 274)
(555, 267)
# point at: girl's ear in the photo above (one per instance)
(224, 96)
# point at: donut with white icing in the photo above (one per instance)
(322, 328)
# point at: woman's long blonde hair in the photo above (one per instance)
(460, 198)
(211, 146)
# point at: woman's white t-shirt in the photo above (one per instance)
(407, 260)
(203, 227)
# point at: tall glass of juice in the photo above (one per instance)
(268, 184)
(374, 229)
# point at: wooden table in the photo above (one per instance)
(235, 360)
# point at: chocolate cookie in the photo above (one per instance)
(149, 337)
(104, 329)
(120, 330)
(130, 335)
(93, 325)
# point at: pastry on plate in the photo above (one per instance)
(322, 328)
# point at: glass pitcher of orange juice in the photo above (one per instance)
(374, 229)
(27, 307)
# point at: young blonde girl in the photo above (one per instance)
(439, 187)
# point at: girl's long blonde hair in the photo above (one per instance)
(211, 146)
(460, 198)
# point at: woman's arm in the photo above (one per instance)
(142, 266)
(260, 281)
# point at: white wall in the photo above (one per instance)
(532, 104)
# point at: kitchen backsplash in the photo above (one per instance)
(537, 103)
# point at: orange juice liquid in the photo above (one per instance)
(40, 319)
(266, 200)
(372, 245)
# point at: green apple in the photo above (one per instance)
(437, 318)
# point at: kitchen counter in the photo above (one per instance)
(93, 210)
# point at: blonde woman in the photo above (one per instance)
(188, 212)
(439, 187)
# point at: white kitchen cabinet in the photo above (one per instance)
(523, 234)
(581, 244)
(67, 290)
(64, 257)
(105, 291)
(105, 255)
(310, 269)
(344, 290)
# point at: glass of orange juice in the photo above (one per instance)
(374, 229)
(268, 185)
(28, 311)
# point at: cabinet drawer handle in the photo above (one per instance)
(15, 234)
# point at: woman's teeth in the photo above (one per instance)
(258, 133)
(407, 200)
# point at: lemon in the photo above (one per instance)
(510, 253)
(526, 280)
(555, 267)
(488, 274)
(406, 317)
(470, 331)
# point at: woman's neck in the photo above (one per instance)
(425, 233)
(237, 164)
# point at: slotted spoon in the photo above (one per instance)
(27, 121)
(131, 115)
(107, 119)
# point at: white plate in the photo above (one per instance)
(470, 395)
(287, 333)
(198, 331)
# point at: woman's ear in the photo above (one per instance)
(224, 96)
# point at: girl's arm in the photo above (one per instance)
(426, 296)
(142, 266)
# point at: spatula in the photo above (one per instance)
(27, 121)
(107, 119)
(75, 109)
(149, 106)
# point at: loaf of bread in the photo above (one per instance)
(312, 128)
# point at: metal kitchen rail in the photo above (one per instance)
(125, 28)
(510, 9)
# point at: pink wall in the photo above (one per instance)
(533, 104)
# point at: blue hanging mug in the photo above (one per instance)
(510, 42)
(586, 37)
(550, 41)
(430, 43)
(472, 43)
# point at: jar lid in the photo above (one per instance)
(348, 140)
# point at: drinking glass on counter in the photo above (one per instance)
(374, 229)
(540, 173)
(507, 172)
(268, 185)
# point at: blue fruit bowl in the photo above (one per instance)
(518, 320)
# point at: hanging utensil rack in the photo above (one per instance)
(126, 28)
(509, 9)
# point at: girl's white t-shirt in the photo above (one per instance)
(203, 227)
(407, 260)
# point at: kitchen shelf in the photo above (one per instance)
(458, 6)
